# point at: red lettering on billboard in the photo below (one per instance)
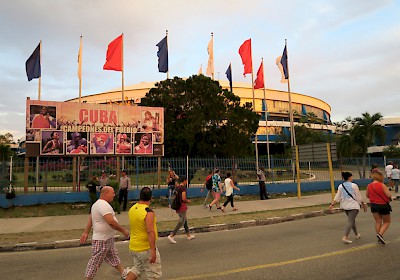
(94, 116)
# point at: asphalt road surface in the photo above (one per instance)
(305, 249)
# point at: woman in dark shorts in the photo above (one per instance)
(379, 197)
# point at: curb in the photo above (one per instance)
(31, 246)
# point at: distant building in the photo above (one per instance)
(276, 103)
(392, 135)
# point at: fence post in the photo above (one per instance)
(74, 174)
(328, 149)
(159, 172)
(26, 171)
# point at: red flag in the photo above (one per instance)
(245, 54)
(259, 82)
(114, 55)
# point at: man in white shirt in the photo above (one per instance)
(105, 224)
(388, 170)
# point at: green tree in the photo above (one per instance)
(201, 119)
(360, 133)
(392, 151)
(6, 138)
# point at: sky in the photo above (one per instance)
(346, 53)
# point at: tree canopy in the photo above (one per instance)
(202, 119)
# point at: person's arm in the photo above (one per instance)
(386, 191)
(337, 197)
(114, 224)
(88, 227)
(233, 186)
(151, 235)
(184, 197)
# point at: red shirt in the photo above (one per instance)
(376, 194)
(181, 190)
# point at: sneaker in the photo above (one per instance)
(190, 237)
(209, 206)
(125, 273)
(380, 239)
(171, 239)
(358, 236)
(347, 241)
(205, 206)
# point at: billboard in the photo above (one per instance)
(67, 128)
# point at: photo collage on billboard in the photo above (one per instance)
(63, 128)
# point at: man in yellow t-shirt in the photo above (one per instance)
(143, 236)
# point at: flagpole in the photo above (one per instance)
(166, 32)
(80, 70)
(292, 132)
(254, 108)
(212, 43)
(40, 78)
(122, 72)
(266, 119)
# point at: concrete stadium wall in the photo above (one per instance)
(76, 197)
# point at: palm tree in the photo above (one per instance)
(364, 132)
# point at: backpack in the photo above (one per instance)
(209, 184)
(176, 199)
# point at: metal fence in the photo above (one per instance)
(58, 174)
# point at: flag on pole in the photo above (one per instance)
(32, 65)
(210, 65)
(114, 55)
(80, 60)
(259, 82)
(201, 69)
(162, 54)
(245, 54)
(229, 75)
(282, 64)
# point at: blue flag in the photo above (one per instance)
(229, 75)
(284, 63)
(32, 65)
(162, 55)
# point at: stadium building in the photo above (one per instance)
(276, 105)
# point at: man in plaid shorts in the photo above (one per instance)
(105, 224)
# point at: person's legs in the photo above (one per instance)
(120, 194)
(261, 191)
(125, 199)
(231, 200)
(216, 199)
(99, 251)
(385, 224)
(182, 218)
(351, 222)
(378, 222)
(396, 185)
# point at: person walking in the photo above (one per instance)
(208, 185)
(143, 236)
(171, 182)
(124, 186)
(182, 211)
(388, 171)
(92, 188)
(379, 197)
(229, 186)
(261, 183)
(216, 189)
(105, 224)
(396, 177)
(350, 199)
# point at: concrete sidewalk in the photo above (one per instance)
(36, 224)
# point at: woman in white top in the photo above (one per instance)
(229, 186)
(350, 200)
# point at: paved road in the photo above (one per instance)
(303, 249)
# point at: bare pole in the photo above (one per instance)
(212, 57)
(80, 69)
(266, 120)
